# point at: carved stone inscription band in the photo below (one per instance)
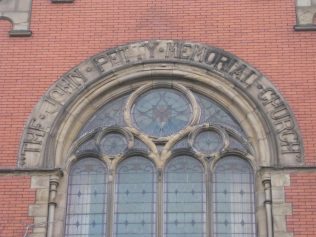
(166, 52)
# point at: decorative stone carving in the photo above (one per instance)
(18, 12)
(171, 57)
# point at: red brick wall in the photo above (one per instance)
(302, 195)
(15, 196)
(260, 32)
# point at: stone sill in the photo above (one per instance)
(20, 33)
(305, 27)
(62, 1)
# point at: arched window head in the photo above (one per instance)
(135, 198)
(233, 198)
(184, 198)
(87, 199)
(184, 132)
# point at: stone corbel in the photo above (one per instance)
(268, 203)
(18, 12)
(305, 15)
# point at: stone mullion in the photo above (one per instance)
(209, 199)
(160, 206)
(110, 204)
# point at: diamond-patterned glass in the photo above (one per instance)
(86, 207)
(135, 199)
(161, 112)
(184, 198)
(233, 199)
(211, 112)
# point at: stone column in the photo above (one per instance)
(268, 203)
(53, 184)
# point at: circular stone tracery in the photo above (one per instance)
(161, 112)
(113, 144)
(208, 142)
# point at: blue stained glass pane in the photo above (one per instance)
(208, 142)
(161, 112)
(211, 112)
(113, 144)
(184, 198)
(135, 199)
(233, 198)
(111, 114)
(86, 206)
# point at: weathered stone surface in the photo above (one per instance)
(304, 3)
(278, 195)
(38, 210)
(280, 180)
(282, 234)
(282, 209)
(40, 182)
(19, 13)
(305, 14)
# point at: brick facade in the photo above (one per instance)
(16, 196)
(63, 35)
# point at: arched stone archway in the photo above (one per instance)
(261, 109)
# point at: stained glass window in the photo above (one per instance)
(113, 144)
(233, 199)
(135, 199)
(161, 112)
(87, 195)
(184, 198)
(111, 114)
(212, 112)
(160, 123)
(208, 142)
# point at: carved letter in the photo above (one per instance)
(77, 77)
(224, 63)
(186, 51)
(280, 112)
(99, 61)
(173, 50)
(198, 54)
(289, 142)
(210, 57)
(151, 46)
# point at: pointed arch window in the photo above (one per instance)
(87, 198)
(233, 198)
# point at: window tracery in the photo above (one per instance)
(161, 144)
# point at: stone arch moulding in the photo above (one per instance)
(45, 130)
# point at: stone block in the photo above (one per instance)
(282, 234)
(38, 210)
(7, 5)
(278, 195)
(24, 5)
(40, 182)
(282, 209)
(42, 196)
(37, 235)
(280, 180)
(279, 223)
(304, 3)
